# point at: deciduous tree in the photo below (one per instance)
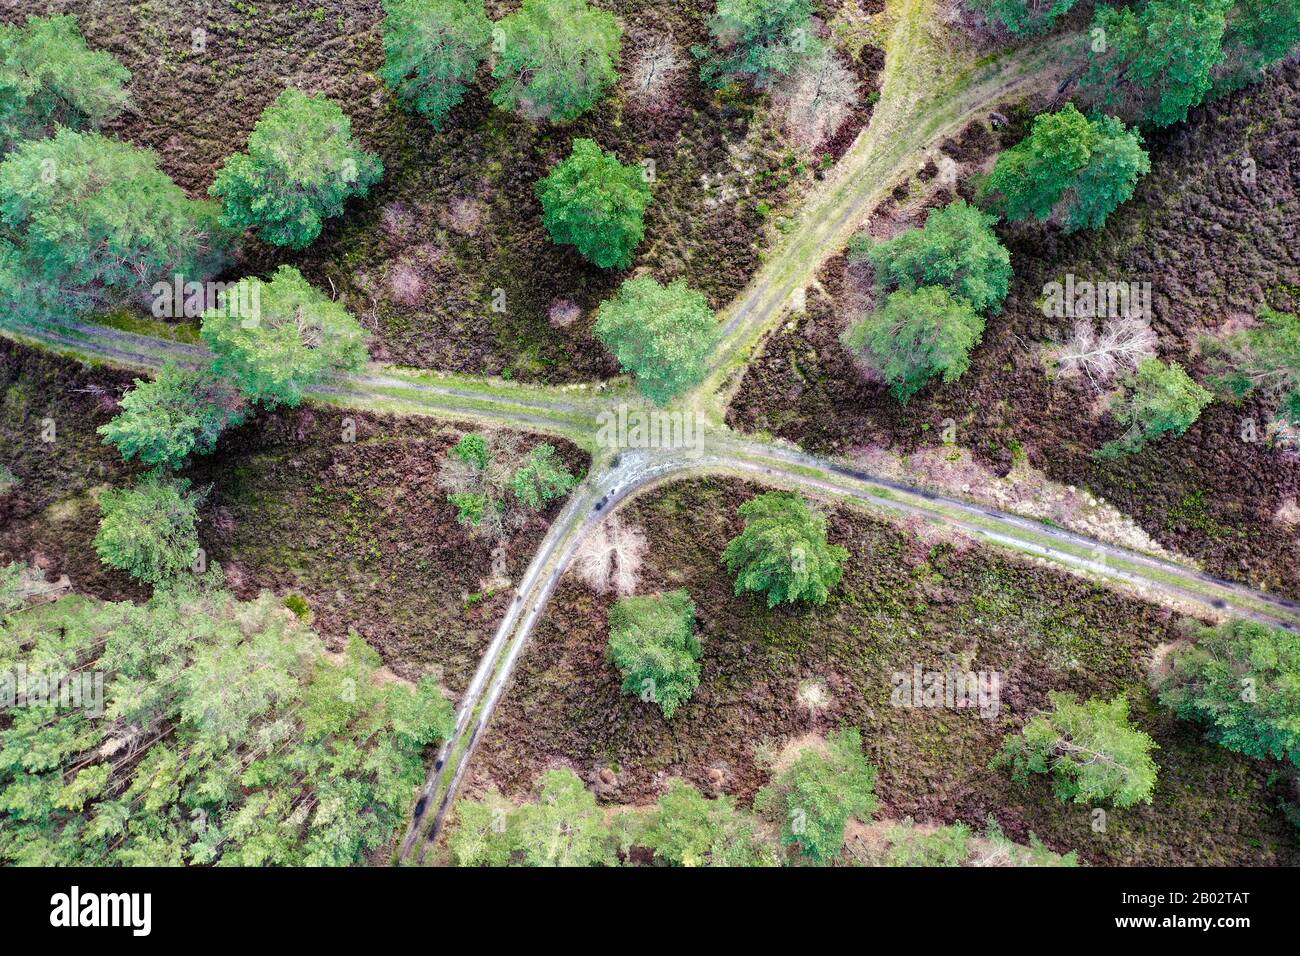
(594, 202)
(783, 551)
(432, 49)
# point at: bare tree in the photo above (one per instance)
(1121, 347)
(610, 557)
(816, 99)
(655, 66)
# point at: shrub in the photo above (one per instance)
(661, 334)
(816, 796)
(783, 551)
(563, 828)
(473, 450)
(1160, 398)
(92, 222)
(148, 530)
(302, 165)
(555, 58)
(297, 337)
(1023, 17)
(1090, 749)
(432, 49)
(688, 829)
(178, 414)
(543, 479)
(942, 846)
(1264, 359)
(595, 203)
(652, 643)
(1259, 34)
(1242, 681)
(1081, 169)
(914, 337)
(758, 40)
(956, 249)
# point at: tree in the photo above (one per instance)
(594, 202)
(1159, 398)
(956, 249)
(564, 827)
(148, 530)
(1080, 169)
(1155, 62)
(915, 337)
(1090, 749)
(555, 58)
(432, 49)
(758, 40)
(816, 796)
(90, 222)
(942, 846)
(302, 165)
(783, 551)
(297, 337)
(816, 99)
(1023, 17)
(652, 643)
(50, 79)
(543, 479)
(661, 334)
(688, 829)
(178, 414)
(1241, 680)
(1262, 360)
(1259, 34)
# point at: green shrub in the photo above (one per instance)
(302, 165)
(1160, 398)
(593, 202)
(1261, 360)
(783, 552)
(1090, 749)
(652, 643)
(296, 337)
(432, 49)
(1023, 17)
(473, 450)
(542, 479)
(555, 59)
(758, 40)
(942, 846)
(148, 530)
(663, 335)
(688, 829)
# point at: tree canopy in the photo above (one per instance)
(149, 529)
(758, 40)
(432, 49)
(1023, 17)
(595, 203)
(1264, 360)
(1160, 398)
(652, 643)
(783, 551)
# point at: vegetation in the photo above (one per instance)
(1081, 169)
(296, 336)
(432, 49)
(661, 334)
(758, 40)
(956, 250)
(555, 59)
(595, 203)
(915, 337)
(688, 829)
(815, 797)
(783, 552)
(1023, 17)
(148, 530)
(1242, 681)
(542, 479)
(178, 414)
(52, 80)
(1090, 749)
(942, 846)
(1160, 398)
(226, 736)
(88, 222)
(652, 643)
(481, 482)
(1262, 360)
(302, 165)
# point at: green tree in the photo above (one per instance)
(302, 165)
(942, 846)
(555, 58)
(688, 829)
(1262, 360)
(1159, 398)
(1157, 59)
(542, 479)
(662, 334)
(432, 49)
(296, 336)
(914, 337)
(148, 530)
(594, 202)
(564, 827)
(1259, 34)
(481, 835)
(1091, 750)
(956, 249)
(88, 222)
(758, 40)
(1083, 169)
(1241, 680)
(50, 79)
(178, 414)
(1023, 17)
(817, 795)
(783, 552)
(652, 643)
